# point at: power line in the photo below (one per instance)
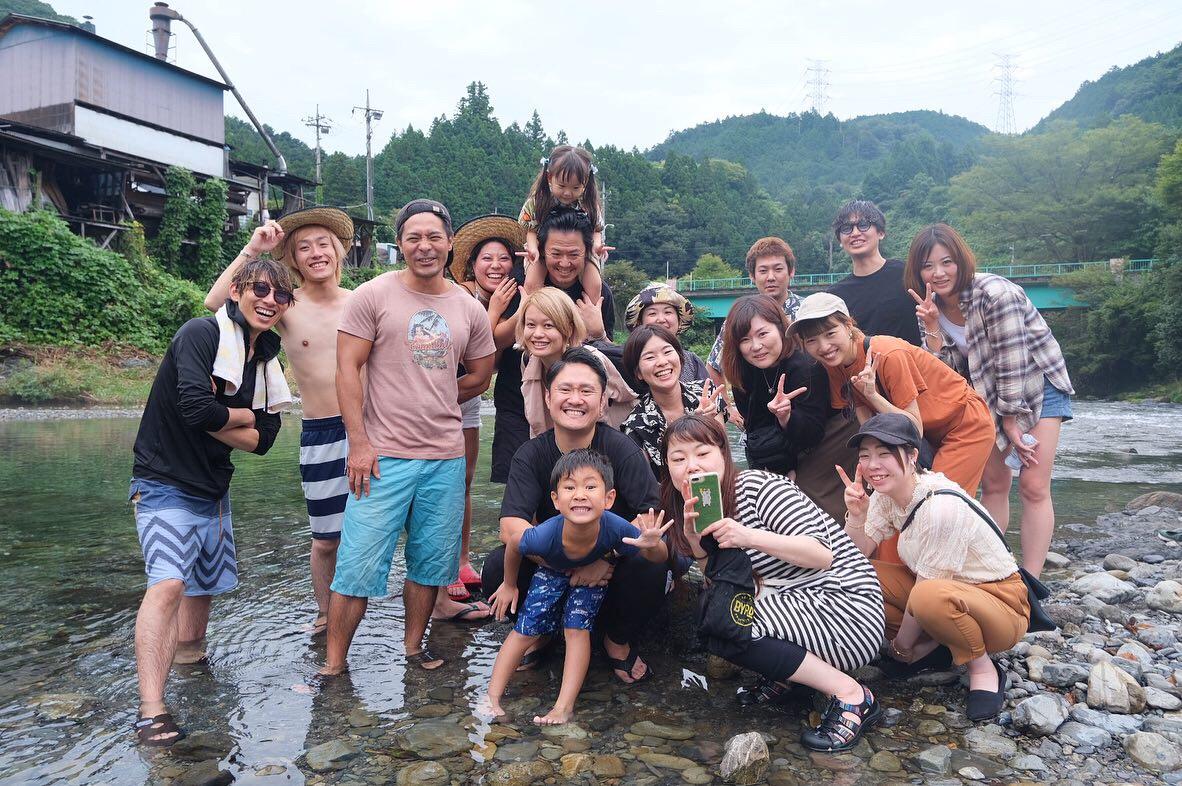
(371, 115)
(322, 125)
(817, 83)
(1005, 96)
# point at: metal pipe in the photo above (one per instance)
(162, 12)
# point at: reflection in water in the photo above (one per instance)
(70, 562)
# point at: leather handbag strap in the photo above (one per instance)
(972, 503)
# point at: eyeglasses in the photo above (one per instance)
(261, 289)
(848, 227)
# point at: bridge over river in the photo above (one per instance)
(713, 297)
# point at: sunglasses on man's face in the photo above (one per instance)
(848, 227)
(261, 289)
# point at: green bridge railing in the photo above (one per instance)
(818, 280)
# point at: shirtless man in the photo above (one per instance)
(312, 243)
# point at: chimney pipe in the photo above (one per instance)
(161, 16)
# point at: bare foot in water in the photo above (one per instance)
(555, 717)
(189, 652)
(490, 709)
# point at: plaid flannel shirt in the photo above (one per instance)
(1010, 351)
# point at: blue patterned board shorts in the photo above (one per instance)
(549, 593)
(185, 537)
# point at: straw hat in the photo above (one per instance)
(332, 219)
(654, 294)
(478, 230)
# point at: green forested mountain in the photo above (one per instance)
(34, 8)
(1150, 89)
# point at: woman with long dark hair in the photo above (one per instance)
(818, 609)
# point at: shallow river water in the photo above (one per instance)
(72, 576)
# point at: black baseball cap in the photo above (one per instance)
(416, 206)
(889, 428)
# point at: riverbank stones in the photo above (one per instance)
(1040, 716)
(1111, 689)
(745, 760)
(331, 755)
(1104, 587)
(1165, 596)
(1154, 752)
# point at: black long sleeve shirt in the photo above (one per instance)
(806, 424)
(173, 444)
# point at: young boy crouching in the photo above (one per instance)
(582, 532)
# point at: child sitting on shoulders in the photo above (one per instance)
(582, 532)
(567, 179)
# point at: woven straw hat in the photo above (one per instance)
(332, 219)
(478, 230)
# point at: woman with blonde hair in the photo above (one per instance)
(985, 327)
(548, 324)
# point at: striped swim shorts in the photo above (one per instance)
(323, 451)
(184, 537)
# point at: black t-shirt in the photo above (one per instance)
(769, 446)
(880, 303)
(527, 492)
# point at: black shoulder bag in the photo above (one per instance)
(726, 609)
(1036, 591)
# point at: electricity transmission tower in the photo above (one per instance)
(817, 83)
(1005, 95)
(322, 125)
(371, 115)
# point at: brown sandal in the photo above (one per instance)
(148, 728)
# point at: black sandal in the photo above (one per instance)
(625, 665)
(147, 728)
(838, 733)
(764, 692)
(423, 657)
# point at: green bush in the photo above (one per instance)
(40, 386)
(58, 288)
(353, 277)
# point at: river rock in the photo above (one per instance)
(1160, 499)
(1166, 724)
(330, 755)
(1111, 689)
(565, 731)
(605, 766)
(1118, 725)
(1035, 664)
(434, 739)
(990, 743)
(666, 761)
(1153, 751)
(60, 706)
(697, 775)
(930, 728)
(424, 773)
(1057, 561)
(517, 751)
(521, 773)
(1156, 636)
(1105, 587)
(885, 761)
(204, 773)
(1135, 651)
(720, 668)
(1166, 596)
(1063, 675)
(745, 760)
(1040, 715)
(651, 729)
(936, 760)
(1119, 562)
(1160, 700)
(1080, 735)
(572, 764)
(202, 745)
(1029, 763)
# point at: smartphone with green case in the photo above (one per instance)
(708, 490)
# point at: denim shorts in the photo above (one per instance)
(550, 598)
(1055, 403)
(184, 537)
(423, 496)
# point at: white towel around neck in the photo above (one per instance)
(270, 388)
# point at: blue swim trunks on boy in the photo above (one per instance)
(550, 594)
(185, 537)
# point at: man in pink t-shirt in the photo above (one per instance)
(410, 330)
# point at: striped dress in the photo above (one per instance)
(836, 614)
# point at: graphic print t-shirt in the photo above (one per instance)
(419, 340)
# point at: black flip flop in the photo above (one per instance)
(423, 657)
(625, 665)
(147, 728)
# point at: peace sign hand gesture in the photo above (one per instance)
(651, 529)
(781, 403)
(925, 308)
(865, 381)
(708, 403)
(857, 501)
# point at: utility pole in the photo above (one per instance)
(1005, 95)
(817, 82)
(321, 124)
(371, 115)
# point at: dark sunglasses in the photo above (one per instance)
(848, 227)
(261, 289)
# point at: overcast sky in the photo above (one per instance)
(628, 73)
